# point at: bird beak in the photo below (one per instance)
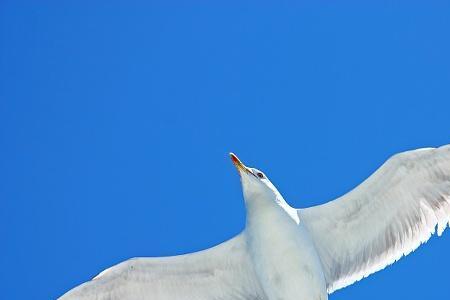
(238, 164)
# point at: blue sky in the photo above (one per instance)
(116, 121)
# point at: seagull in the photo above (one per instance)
(288, 253)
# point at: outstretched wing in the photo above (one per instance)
(389, 215)
(221, 272)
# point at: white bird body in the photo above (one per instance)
(283, 255)
(305, 254)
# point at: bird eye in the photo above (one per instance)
(260, 175)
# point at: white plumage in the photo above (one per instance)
(389, 215)
(221, 272)
(285, 253)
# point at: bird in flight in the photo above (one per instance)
(288, 253)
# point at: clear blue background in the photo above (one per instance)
(116, 122)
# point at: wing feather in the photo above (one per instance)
(222, 272)
(386, 217)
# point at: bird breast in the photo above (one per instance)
(284, 257)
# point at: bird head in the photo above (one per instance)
(259, 191)
(255, 184)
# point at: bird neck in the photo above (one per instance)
(272, 207)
